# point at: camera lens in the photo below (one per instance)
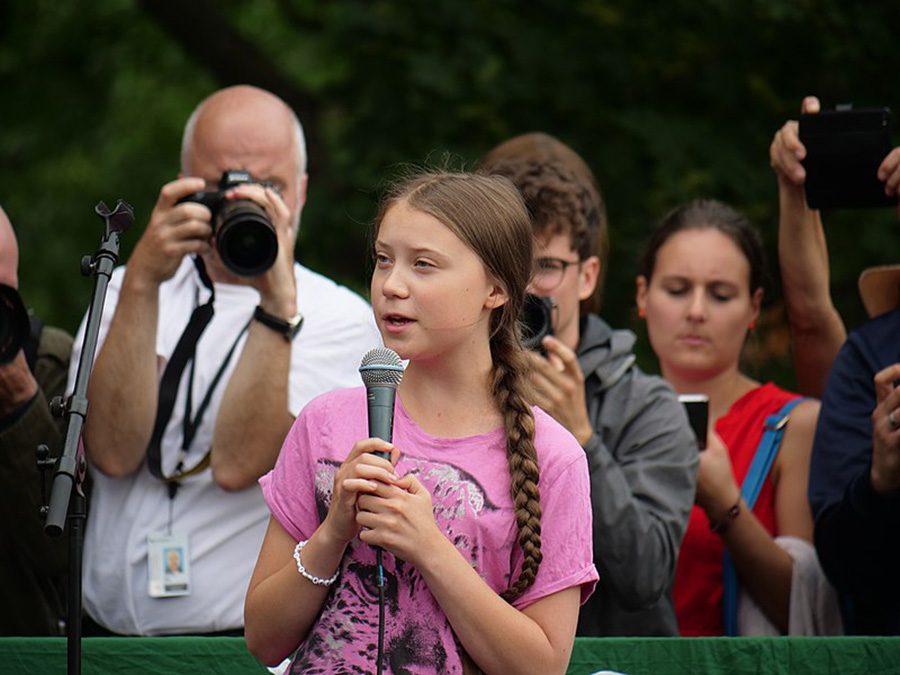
(14, 324)
(536, 321)
(245, 238)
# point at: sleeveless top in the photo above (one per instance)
(698, 586)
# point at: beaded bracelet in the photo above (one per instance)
(318, 581)
(719, 526)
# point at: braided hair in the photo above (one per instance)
(487, 213)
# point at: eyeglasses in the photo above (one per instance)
(547, 273)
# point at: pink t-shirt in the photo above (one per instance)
(468, 479)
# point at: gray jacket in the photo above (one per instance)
(643, 465)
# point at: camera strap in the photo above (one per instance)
(185, 351)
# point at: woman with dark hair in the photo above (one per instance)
(700, 289)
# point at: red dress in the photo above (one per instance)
(698, 574)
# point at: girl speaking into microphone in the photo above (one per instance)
(482, 510)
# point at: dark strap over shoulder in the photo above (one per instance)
(168, 386)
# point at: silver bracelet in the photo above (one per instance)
(318, 581)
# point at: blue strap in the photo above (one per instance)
(762, 462)
(729, 595)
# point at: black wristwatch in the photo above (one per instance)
(286, 327)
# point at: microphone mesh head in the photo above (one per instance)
(381, 366)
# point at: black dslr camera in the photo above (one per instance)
(245, 237)
(14, 323)
(536, 321)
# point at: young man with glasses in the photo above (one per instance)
(641, 453)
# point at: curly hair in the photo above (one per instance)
(560, 192)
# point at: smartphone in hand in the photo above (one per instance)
(697, 407)
(844, 149)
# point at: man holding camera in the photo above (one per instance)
(33, 363)
(641, 452)
(209, 348)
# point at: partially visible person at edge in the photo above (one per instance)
(32, 565)
(641, 453)
(699, 309)
(855, 472)
(483, 508)
(175, 456)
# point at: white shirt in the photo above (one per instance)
(225, 529)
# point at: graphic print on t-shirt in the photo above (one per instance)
(417, 636)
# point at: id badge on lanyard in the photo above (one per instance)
(169, 564)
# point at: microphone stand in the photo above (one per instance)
(71, 467)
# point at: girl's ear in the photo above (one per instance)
(496, 297)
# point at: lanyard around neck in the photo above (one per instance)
(185, 351)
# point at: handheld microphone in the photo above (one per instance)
(381, 370)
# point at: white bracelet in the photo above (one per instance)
(318, 581)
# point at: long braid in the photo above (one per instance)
(487, 213)
(508, 387)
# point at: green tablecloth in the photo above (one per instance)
(737, 656)
(728, 656)
(135, 656)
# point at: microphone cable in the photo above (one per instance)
(379, 581)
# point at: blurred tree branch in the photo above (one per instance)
(212, 42)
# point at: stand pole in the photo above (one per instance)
(64, 504)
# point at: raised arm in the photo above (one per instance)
(124, 384)
(253, 417)
(817, 329)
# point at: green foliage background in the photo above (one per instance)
(666, 101)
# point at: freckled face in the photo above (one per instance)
(698, 304)
(431, 293)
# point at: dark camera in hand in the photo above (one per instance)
(245, 236)
(536, 321)
(14, 323)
